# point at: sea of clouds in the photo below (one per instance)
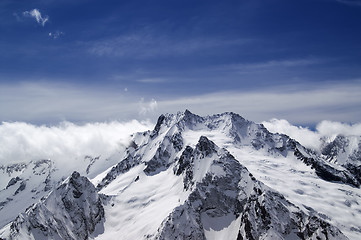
(313, 139)
(65, 142)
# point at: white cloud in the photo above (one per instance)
(303, 135)
(66, 142)
(312, 139)
(35, 13)
(55, 34)
(331, 129)
(147, 107)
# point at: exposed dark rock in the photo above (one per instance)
(16, 167)
(21, 187)
(13, 181)
(157, 127)
(205, 146)
(91, 162)
(42, 167)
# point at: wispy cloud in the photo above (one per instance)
(56, 34)
(150, 44)
(18, 18)
(35, 13)
(279, 63)
(147, 107)
(350, 2)
(151, 80)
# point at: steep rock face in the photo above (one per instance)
(71, 211)
(227, 201)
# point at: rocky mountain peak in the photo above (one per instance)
(71, 211)
(205, 146)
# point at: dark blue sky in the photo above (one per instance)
(163, 52)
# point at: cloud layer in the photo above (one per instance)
(66, 142)
(43, 103)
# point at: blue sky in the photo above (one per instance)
(118, 60)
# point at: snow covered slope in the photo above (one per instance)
(214, 177)
(22, 185)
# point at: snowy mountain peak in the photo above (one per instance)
(188, 120)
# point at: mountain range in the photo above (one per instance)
(191, 177)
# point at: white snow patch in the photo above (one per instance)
(191, 138)
(225, 227)
(142, 207)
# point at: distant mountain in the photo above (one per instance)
(345, 151)
(193, 177)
